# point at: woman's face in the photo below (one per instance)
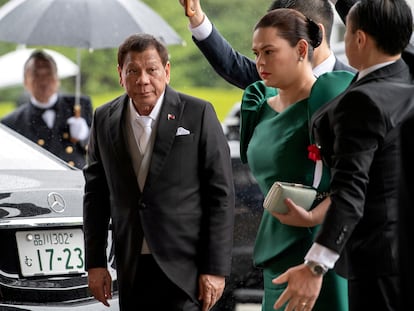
(276, 61)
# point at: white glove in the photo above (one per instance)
(78, 128)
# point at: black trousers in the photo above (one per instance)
(377, 293)
(156, 292)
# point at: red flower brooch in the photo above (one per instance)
(314, 153)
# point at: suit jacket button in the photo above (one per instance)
(65, 135)
(41, 142)
(71, 163)
(69, 149)
(340, 239)
(341, 236)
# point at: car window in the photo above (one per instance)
(17, 153)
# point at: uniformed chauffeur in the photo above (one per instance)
(50, 119)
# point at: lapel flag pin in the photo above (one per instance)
(171, 116)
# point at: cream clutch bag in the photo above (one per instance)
(300, 194)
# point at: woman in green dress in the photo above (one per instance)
(275, 141)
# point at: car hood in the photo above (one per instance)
(41, 196)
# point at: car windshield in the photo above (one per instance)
(18, 154)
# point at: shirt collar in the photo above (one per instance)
(49, 104)
(326, 66)
(153, 114)
(368, 70)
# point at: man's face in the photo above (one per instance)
(41, 80)
(144, 78)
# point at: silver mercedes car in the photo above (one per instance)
(42, 260)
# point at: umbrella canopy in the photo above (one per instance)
(93, 24)
(12, 63)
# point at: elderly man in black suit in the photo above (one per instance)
(170, 196)
(52, 120)
(358, 133)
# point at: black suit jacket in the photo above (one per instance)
(232, 66)
(187, 204)
(27, 120)
(406, 204)
(359, 137)
(407, 211)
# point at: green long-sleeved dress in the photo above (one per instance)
(275, 147)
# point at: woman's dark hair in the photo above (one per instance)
(388, 22)
(292, 26)
(141, 43)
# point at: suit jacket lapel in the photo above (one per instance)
(168, 121)
(117, 134)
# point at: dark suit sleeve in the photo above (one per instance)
(96, 209)
(235, 68)
(406, 210)
(359, 128)
(217, 197)
(10, 120)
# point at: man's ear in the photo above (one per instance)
(167, 69)
(322, 28)
(361, 38)
(120, 75)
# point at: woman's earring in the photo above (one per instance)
(301, 58)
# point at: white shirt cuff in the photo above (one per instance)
(322, 255)
(203, 30)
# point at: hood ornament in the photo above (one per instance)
(56, 202)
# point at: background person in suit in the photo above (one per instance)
(171, 202)
(358, 133)
(48, 118)
(240, 70)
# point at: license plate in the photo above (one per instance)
(51, 252)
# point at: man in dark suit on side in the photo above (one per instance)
(170, 200)
(406, 232)
(240, 70)
(54, 121)
(358, 134)
(406, 205)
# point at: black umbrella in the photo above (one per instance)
(92, 24)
